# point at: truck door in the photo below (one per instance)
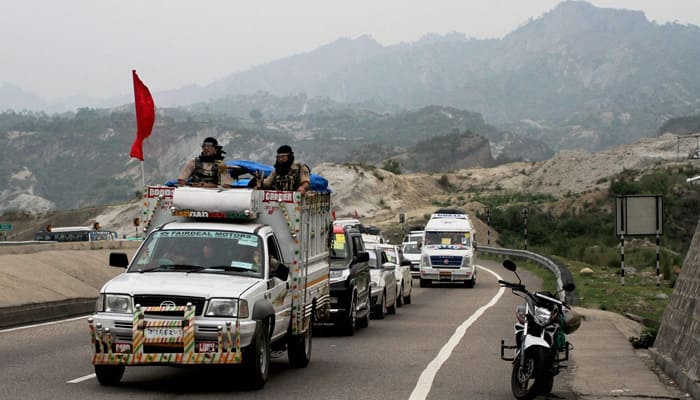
(278, 290)
(361, 272)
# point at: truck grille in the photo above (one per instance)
(446, 261)
(148, 300)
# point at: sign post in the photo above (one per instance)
(638, 215)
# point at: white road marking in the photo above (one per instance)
(19, 328)
(425, 381)
(82, 378)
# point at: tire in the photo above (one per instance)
(399, 297)
(348, 326)
(299, 348)
(525, 382)
(425, 282)
(256, 357)
(407, 299)
(545, 383)
(364, 321)
(109, 375)
(381, 308)
(392, 308)
(470, 283)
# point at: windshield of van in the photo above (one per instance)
(201, 251)
(438, 238)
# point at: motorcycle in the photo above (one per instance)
(541, 346)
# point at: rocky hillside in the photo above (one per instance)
(379, 196)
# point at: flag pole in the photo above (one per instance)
(143, 176)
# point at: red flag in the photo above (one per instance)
(145, 116)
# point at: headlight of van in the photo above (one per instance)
(466, 262)
(115, 303)
(227, 308)
(425, 260)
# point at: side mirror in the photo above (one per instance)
(281, 271)
(405, 263)
(388, 266)
(509, 265)
(362, 256)
(476, 246)
(569, 287)
(118, 260)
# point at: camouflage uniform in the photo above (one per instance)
(297, 174)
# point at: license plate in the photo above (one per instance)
(122, 347)
(446, 275)
(206, 347)
(162, 333)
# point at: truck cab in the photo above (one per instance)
(448, 252)
(223, 277)
(349, 280)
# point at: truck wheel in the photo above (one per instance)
(399, 297)
(109, 375)
(381, 308)
(256, 357)
(470, 283)
(299, 350)
(348, 326)
(424, 282)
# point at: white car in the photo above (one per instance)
(411, 251)
(383, 296)
(404, 280)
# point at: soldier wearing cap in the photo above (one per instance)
(208, 169)
(288, 174)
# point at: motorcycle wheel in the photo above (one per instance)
(525, 381)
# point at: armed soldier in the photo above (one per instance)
(288, 174)
(208, 170)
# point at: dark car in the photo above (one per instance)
(350, 280)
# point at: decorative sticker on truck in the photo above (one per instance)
(278, 196)
(159, 191)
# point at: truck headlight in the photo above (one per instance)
(116, 303)
(466, 262)
(227, 308)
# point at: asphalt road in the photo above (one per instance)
(445, 345)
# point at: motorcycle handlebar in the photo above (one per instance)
(514, 286)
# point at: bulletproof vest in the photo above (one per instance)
(289, 181)
(200, 174)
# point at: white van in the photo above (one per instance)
(448, 253)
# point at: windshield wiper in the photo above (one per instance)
(223, 268)
(171, 267)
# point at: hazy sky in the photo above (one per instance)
(61, 48)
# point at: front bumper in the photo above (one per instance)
(340, 301)
(120, 339)
(447, 274)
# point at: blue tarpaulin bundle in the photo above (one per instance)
(318, 183)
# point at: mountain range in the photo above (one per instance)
(577, 77)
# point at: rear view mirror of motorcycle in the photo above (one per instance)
(509, 265)
(569, 287)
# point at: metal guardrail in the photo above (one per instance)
(534, 257)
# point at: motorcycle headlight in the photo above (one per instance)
(227, 308)
(339, 275)
(117, 303)
(542, 316)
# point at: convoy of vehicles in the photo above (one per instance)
(228, 276)
(448, 253)
(224, 277)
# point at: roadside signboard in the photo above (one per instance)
(5, 226)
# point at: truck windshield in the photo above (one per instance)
(438, 238)
(201, 251)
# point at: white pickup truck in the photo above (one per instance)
(224, 277)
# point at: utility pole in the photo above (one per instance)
(525, 212)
